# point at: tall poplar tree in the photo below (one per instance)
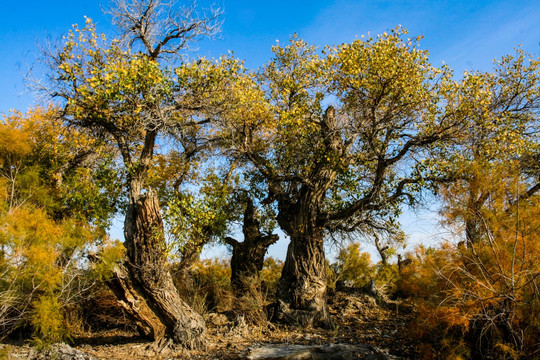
(337, 137)
(123, 91)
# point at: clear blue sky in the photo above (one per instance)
(463, 34)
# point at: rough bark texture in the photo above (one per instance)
(130, 298)
(150, 285)
(301, 297)
(248, 256)
(302, 286)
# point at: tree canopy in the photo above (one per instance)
(325, 143)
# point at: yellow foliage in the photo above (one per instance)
(33, 239)
(110, 253)
(270, 275)
(48, 320)
(213, 271)
(212, 282)
(42, 257)
(354, 265)
(485, 290)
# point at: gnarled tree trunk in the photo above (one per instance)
(302, 286)
(129, 295)
(248, 256)
(301, 297)
(147, 285)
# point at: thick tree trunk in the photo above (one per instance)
(302, 286)
(130, 298)
(149, 286)
(301, 297)
(248, 256)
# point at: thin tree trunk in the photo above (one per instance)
(382, 250)
(473, 215)
(190, 255)
(151, 289)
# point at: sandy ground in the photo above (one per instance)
(358, 317)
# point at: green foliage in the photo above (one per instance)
(100, 75)
(45, 234)
(354, 265)
(110, 253)
(202, 215)
(42, 273)
(397, 125)
(351, 264)
(159, 120)
(388, 106)
(48, 321)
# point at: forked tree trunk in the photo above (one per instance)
(301, 297)
(147, 285)
(190, 256)
(248, 256)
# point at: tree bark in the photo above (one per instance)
(149, 287)
(248, 256)
(382, 250)
(301, 297)
(302, 286)
(190, 255)
(130, 298)
(473, 216)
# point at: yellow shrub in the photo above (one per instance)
(48, 320)
(270, 275)
(479, 299)
(351, 264)
(212, 281)
(41, 271)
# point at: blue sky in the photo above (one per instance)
(463, 34)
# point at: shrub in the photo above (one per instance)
(206, 288)
(51, 213)
(48, 321)
(477, 301)
(351, 264)
(44, 272)
(269, 277)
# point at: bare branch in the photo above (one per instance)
(163, 28)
